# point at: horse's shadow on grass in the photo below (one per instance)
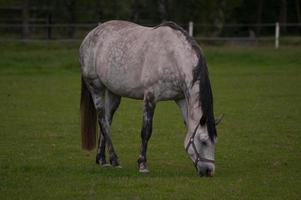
(112, 172)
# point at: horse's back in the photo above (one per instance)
(129, 58)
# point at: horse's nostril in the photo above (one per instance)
(209, 172)
(206, 171)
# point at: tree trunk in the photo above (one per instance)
(25, 20)
(283, 15)
(70, 5)
(98, 10)
(219, 18)
(49, 27)
(298, 11)
(259, 16)
(163, 9)
(135, 11)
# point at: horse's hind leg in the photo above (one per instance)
(97, 90)
(105, 113)
(146, 131)
(111, 104)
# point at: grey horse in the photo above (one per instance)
(123, 59)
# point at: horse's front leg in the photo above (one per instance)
(146, 131)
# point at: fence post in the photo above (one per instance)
(277, 34)
(190, 29)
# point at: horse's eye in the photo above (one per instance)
(204, 143)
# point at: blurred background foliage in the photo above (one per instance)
(156, 11)
(214, 13)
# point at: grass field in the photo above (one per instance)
(258, 155)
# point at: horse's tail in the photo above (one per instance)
(88, 118)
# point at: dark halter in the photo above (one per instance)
(198, 157)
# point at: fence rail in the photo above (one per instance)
(272, 32)
(47, 25)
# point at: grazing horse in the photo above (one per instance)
(123, 59)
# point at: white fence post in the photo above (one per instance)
(277, 34)
(190, 29)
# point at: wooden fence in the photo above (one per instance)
(234, 33)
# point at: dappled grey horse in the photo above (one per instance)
(122, 59)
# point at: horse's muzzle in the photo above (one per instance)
(206, 169)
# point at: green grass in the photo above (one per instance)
(258, 155)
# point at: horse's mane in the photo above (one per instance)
(200, 73)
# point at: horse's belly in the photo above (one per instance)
(121, 82)
(138, 93)
(166, 91)
(132, 85)
(126, 90)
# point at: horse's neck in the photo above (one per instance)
(193, 106)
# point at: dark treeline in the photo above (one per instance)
(156, 11)
(150, 12)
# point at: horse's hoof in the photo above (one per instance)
(114, 163)
(118, 166)
(105, 165)
(102, 162)
(145, 170)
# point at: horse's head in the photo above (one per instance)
(201, 147)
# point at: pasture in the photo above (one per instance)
(258, 155)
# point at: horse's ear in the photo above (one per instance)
(219, 119)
